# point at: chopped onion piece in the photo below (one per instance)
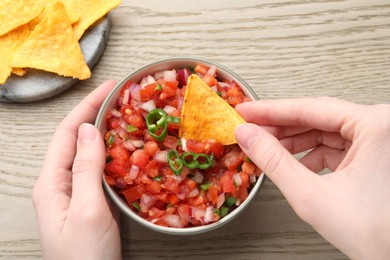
(134, 91)
(198, 178)
(221, 200)
(208, 217)
(173, 220)
(169, 75)
(214, 88)
(129, 145)
(183, 144)
(161, 156)
(115, 113)
(133, 173)
(223, 84)
(183, 75)
(169, 109)
(237, 179)
(147, 201)
(126, 96)
(147, 81)
(252, 178)
(138, 143)
(148, 106)
(212, 71)
(193, 193)
(178, 178)
(198, 213)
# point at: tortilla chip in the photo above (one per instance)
(9, 43)
(14, 13)
(52, 47)
(89, 11)
(205, 115)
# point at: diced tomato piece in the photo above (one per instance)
(140, 158)
(248, 167)
(168, 89)
(151, 169)
(170, 142)
(171, 185)
(135, 120)
(212, 194)
(126, 110)
(147, 92)
(209, 80)
(119, 152)
(233, 159)
(245, 180)
(116, 168)
(215, 148)
(154, 187)
(154, 212)
(195, 146)
(162, 197)
(113, 123)
(110, 180)
(227, 182)
(173, 199)
(151, 148)
(190, 183)
(201, 69)
(134, 193)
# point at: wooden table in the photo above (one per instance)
(282, 48)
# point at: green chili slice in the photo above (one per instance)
(131, 129)
(205, 186)
(175, 163)
(173, 120)
(197, 160)
(157, 124)
(230, 201)
(111, 139)
(136, 205)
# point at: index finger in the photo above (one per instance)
(326, 114)
(62, 149)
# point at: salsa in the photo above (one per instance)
(167, 180)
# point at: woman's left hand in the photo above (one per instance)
(75, 220)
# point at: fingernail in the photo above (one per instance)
(246, 135)
(87, 133)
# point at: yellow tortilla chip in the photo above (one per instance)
(14, 13)
(205, 115)
(9, 43)
(89, 11)
(52, 47)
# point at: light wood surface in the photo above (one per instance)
(282, 48)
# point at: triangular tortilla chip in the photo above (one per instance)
(9, 43)
(52, 47)
(88, 11)
(205, 115)
(14, 13)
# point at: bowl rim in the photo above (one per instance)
(119, 202)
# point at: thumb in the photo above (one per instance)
(291, 177)
(88, 167)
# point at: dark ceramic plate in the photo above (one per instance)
(37, 85)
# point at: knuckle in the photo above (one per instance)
(81, 166)
(271, 159)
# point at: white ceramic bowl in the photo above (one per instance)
(136, 76)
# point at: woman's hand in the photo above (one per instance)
(349, 207)
(74, 218)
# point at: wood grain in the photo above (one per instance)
(282, 48)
